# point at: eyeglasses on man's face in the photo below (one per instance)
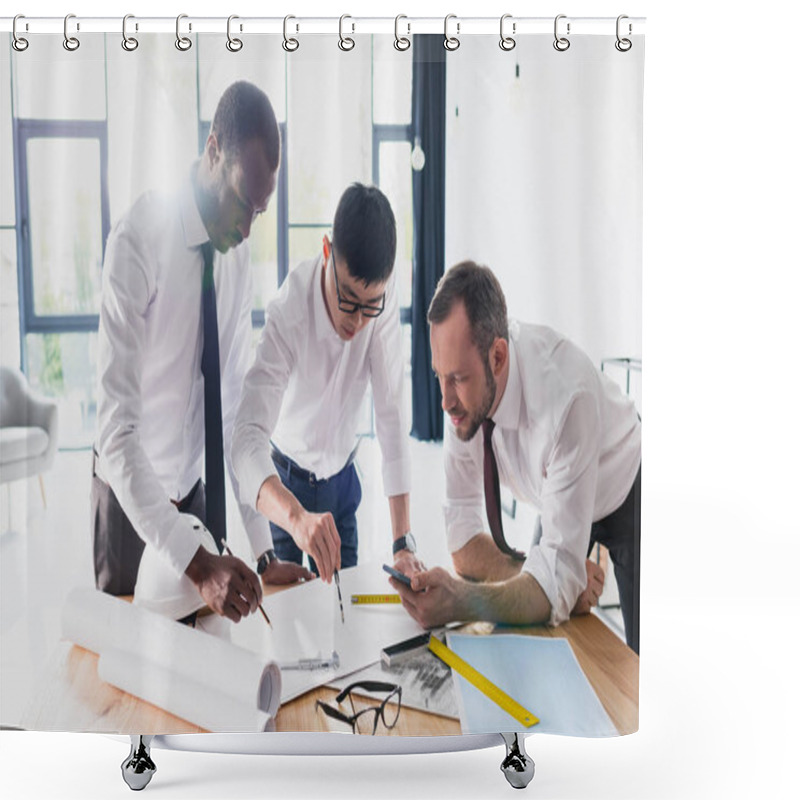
(366, 720)
(350, 307)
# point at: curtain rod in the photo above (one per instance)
(460, 26)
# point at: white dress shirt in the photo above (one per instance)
(567, 441)
(150, 416)
(307, 386)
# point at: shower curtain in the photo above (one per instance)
(523, 158)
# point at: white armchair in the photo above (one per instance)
(28, 429)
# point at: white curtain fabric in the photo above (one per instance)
(544, 182)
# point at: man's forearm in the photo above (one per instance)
(278, 504)
(480, 560)
(518, 601)
(400, 511)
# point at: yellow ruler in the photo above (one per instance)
(482, 683)
(372, 599)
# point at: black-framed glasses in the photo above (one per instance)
(387, 712)
(348, 306)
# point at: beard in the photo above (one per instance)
(476, 420)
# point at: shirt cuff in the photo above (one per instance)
(541, 564)
(181, 543)
(259, 533)
(397, 477)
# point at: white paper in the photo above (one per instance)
(307, 623)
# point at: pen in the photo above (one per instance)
(339, 591)
(260, 607)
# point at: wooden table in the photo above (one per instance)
(73, 698)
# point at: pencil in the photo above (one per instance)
(260, 607)
(339, 590)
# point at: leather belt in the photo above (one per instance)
(287, 465)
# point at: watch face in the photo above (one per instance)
(411, 543)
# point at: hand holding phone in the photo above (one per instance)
(398, 576)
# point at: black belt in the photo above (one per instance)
(287, 465)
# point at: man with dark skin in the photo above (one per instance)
(151, 395)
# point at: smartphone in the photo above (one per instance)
(404, 579)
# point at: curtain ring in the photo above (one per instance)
(451, 42)
(346, 43)
(129, 43)
(19, 43)
(507, 42)
(401, 43)
(234, 45)
(183, 43)
(289, 44)
(623, 45)
(70, 42)
(561, 43)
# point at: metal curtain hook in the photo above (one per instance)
(401, 42)
(451, 42)
(234, 45)
(289, 44)
(182, 42)
(19, 43)
(345, 42)
(507, 42)
(623, 45)
(561, 43)
(70, 42)
(129, 43)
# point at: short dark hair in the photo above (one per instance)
(364, 233)
(479, 290)
(244, 113)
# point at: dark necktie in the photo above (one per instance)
(215, 461)
(491, 488)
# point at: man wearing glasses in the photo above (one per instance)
(333, 329)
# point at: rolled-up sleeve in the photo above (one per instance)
(558, 561)
(464, 515)
(262, 396)
(386, 374)
(127, 292)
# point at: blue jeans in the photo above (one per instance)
(340, 495)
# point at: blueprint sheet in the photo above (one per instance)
(540, 673)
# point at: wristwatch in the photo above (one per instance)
(406, 542)
(264, 560)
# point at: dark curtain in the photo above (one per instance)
(428, 121)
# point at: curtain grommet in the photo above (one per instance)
(346, 43)
(623, 44)
(507, 43)
(451, 43)
(233, 44)
(401, 43)
(129, 43)
(290, 44)
(561, 43)
(183, 43)
(71, 43)
(19, 43)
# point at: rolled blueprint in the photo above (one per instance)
(166, 654)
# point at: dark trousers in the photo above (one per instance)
(621, 533)
(339, 494)
(116, 545)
